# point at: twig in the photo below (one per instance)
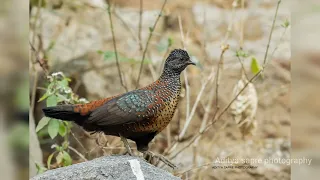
(281, 38)
(194, 168)
(35, 27)
(211, 93)
(241, 40)
(207, 110)
(163, 60)
(215, 118)
(78, 153)
(151, 68)
(121, 148)
(33, 94)
(125, 24)
(78, 141)
(169, 135)
(140, 25)
(242, 25)
(250, 81)
(204, 43)
(42, 62)
(234, 5)
(195, 106)
(115, 47)
(153, 72)
(185, 73)
(36, 19)
(242, 67)
(148, 41)
(224, 47)
(270, 35)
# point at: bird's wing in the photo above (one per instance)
(131, 107)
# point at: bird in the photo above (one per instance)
(138, 115)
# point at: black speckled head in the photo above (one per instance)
(177, 61)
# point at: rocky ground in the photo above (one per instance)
(108, 167)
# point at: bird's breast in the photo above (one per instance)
(161, 118)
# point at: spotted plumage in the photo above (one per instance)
(137, 115)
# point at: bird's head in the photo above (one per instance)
(177, 61)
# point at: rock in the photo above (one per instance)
(66, 35)
(108, 167)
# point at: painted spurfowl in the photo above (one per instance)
(138, 115)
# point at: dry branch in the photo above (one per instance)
(215, 118)
(115, 47)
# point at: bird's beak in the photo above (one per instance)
(191, 62)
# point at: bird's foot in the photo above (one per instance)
(149, 155)
(126, 144)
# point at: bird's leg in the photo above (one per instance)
(126, 144)
(161, 158)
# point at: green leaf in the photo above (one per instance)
(58, 148)
(100, 52)
(63, 83)
(241, 53)
(150, 29)
(52, 100)
(147, 61)
(170, 42)
(286, 23)
(22, 91)
(59, 158)
(109, 55)
(68, 124)
(67, 159)
(123, 59)
(255, 67)
(65, 145)
(50, 86)
(61, 98)
(40, 168)
(68, 79)
(49, 160)
(42, 123)
(161, 47)
(43, 97)
(62, 129)
(53, 128)
(51, 45)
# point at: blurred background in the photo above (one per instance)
(305, 128)
(14, 90)
(74, 37)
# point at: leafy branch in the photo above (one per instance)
(58, 91)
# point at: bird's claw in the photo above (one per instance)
(161, 158)
(126, 145)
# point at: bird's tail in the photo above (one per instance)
(64, 112)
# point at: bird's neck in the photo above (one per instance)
(171, 80)
(169, 74)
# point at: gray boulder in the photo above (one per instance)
(108, 167)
